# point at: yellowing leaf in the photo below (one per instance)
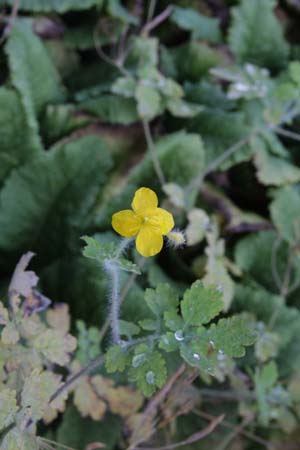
(16, 439)
(3, 314)
(8, 408)
(59, 317)
(87, 401)
(55, 345)
(142, 427)
(124, 401)
(37, 391)
(10, 334)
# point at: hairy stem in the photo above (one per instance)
(113, 272)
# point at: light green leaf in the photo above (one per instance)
(201, 27)
(9, 407)
(124, 86)
(148, 370)
(88, 343)
(285, 213)
(267, 346)
(173, 321)
(181, 108)
(294, 71)
(97, 250)
(269, 375)
(200, 305)
(195, 358)
(168, 342)
(128, 329)
(145, 51)
(163, 298)
(272, 170)
(112, 109)
(116, 359)
(149, 101)
(127, 266)
(256, 35)
(217, 275)
(148, 324)
(232, 335)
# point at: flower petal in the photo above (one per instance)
(144, 200)
(148, 242)
(127, 223)
(162, 220)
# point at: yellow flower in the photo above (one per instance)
(148, 222)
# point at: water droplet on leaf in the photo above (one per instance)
(138, 359)
(150, 377)
(179, 335)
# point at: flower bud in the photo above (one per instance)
(176, 238)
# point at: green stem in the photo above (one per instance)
(153, 153)
(197, 181)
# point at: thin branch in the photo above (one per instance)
(287, 133)
(158, 398)
(117, 64)
(153, 404)
(157, 20)
(243, 432)
(232, 435)
(227, 395)
(151, 10)
(153, 153)
(197, 181)
(12, 18)
(56, 444)
(275, 249)
(94, 364)
(190, 440)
